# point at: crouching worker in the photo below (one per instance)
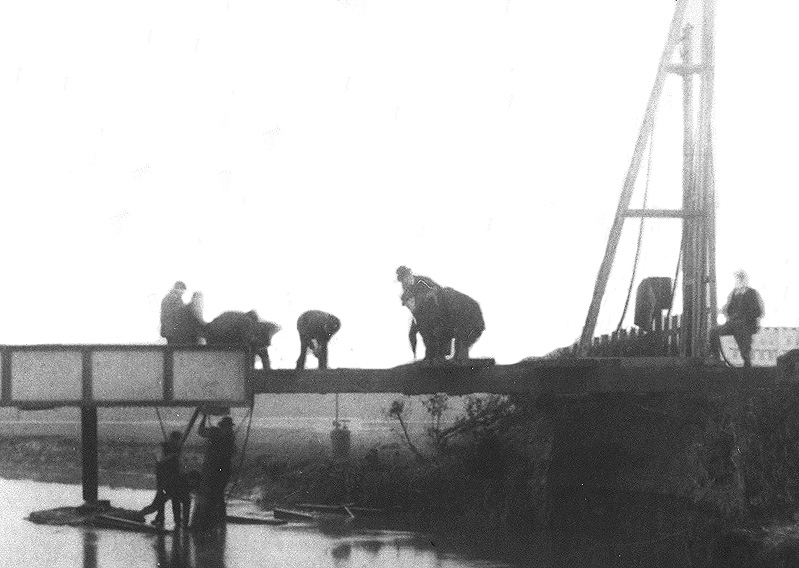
(316, 328)
(170, 485)
(743, 309)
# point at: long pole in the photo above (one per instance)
(709, 58)
(88, 443)
(689, 224)
(629, 180)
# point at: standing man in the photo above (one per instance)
(170, 485)
(743, 309)
(172, 314)
(220, 446)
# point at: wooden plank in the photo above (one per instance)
(555, 377)
(253, 520)
(291, 515)
(111, 521)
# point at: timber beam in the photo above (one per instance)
(566, 377)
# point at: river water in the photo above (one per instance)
(28, 545)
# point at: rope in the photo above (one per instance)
(161, 423)
(641, 229)
(246, 439)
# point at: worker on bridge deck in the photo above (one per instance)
(417, 285)
(743, 309)
(172, 308)
(182, 324)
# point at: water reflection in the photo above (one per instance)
(190, 550)
(90, 549)
(341, 553)
(177, 550)
(243, 546)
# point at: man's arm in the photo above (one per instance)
(725, 307)
(761, 310)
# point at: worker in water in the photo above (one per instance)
(170, 485)
(220, 445)
(743, 309)
(172, 314)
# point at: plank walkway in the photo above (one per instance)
(566, 377)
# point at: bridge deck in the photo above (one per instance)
(539, 377)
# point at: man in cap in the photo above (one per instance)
(743, 309)
(172, 309)
(417, 286)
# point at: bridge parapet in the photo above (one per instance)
(41, 376)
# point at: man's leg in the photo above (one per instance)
(715, 338)
(186, 509)
(176, 509)
(304, 345)
(159, 516)
(156, 506)
(744, 342)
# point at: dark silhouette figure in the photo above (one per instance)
(170, 485)
(245, 329)
(220, 445)
(453, 316)
(316, 328)
(191, 324)
(172, 314)
(743, 309)
(418, 286)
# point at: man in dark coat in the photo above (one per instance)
(170, 485)
(220, 445)
(316, 328)
(172, 314)
(743, 309)
(245, 329)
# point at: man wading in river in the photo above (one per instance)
(220, 445)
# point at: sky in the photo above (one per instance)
(285, 156)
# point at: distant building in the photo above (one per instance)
(767, 345)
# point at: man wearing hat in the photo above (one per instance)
(743, 309)
(417, 286)
(172, 308)
(220, 446)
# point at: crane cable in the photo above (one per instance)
(161, 423)
(641, 229)
(250, 413)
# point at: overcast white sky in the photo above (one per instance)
(286, 156)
